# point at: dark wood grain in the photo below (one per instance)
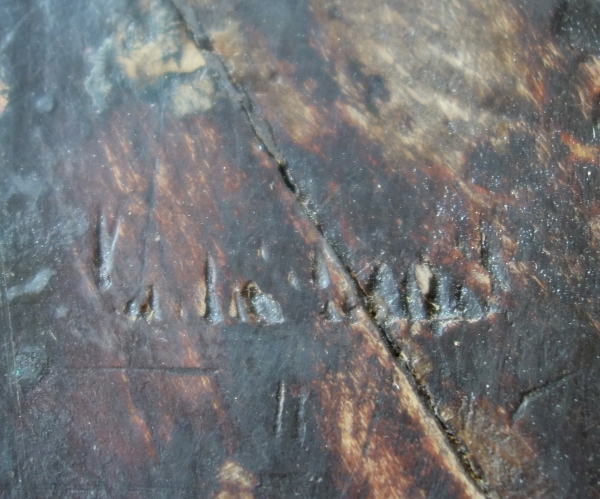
(309, 249)
(448, 153)
(173, 324)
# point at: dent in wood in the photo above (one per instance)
(262, 305)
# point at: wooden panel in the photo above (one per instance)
(448, 153)
(309, 249)
(173, 324)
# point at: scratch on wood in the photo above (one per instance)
(12, 353)
(176, 371)
(537, 392)
(302, 416)
(105, 252)
(213, 309)
(280, 406)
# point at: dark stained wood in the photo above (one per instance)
(173, 324)
(309, 249)
(448, 152)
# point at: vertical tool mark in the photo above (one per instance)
(331, 312)
(148, 307)
(385, 300)
(213, 309)
(240, 306)
(302, 416)
(292, 280)
(105, 251)
(280, 406)
(320, 274)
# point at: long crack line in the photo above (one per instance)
(264, 134)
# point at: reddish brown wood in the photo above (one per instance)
(308, 249)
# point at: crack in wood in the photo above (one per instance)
(263, 133)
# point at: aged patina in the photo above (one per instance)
(299, 248)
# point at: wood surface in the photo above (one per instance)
(320, 249)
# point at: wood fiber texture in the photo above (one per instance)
(311, 249)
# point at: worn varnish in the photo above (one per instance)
(314, 249)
